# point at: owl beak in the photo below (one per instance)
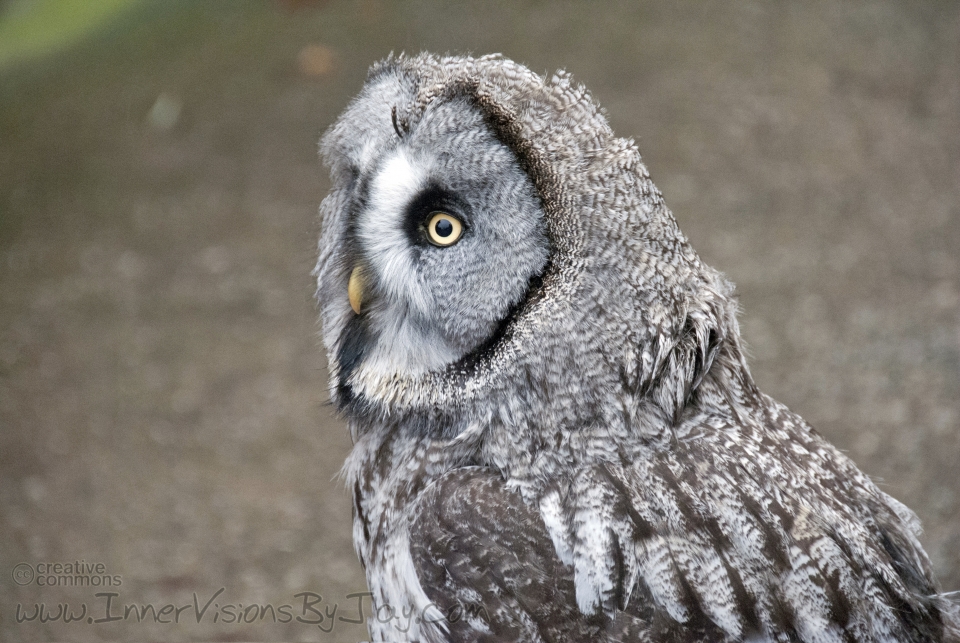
(355, 289)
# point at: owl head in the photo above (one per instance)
(491, 251)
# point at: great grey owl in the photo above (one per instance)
(556, 434)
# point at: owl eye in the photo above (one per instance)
(443, 229)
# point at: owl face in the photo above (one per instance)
(443, 233)
(490, 247)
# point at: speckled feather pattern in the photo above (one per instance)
(601, 467)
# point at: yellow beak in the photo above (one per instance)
(355, 289)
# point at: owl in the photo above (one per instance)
(556, 433)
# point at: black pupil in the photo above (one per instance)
(443, 228)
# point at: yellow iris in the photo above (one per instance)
(443, 229)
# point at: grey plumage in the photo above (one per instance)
(557, 436)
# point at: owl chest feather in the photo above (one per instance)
(387, 472)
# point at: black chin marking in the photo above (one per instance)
(356, 338)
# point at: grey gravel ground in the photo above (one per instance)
(162, 391)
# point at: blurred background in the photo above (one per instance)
(163, 405)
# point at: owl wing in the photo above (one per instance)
(740, 536)
(486, 560)
(668, 549)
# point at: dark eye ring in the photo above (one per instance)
(443, 229)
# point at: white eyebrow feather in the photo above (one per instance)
(380, 229)
(386, 246)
